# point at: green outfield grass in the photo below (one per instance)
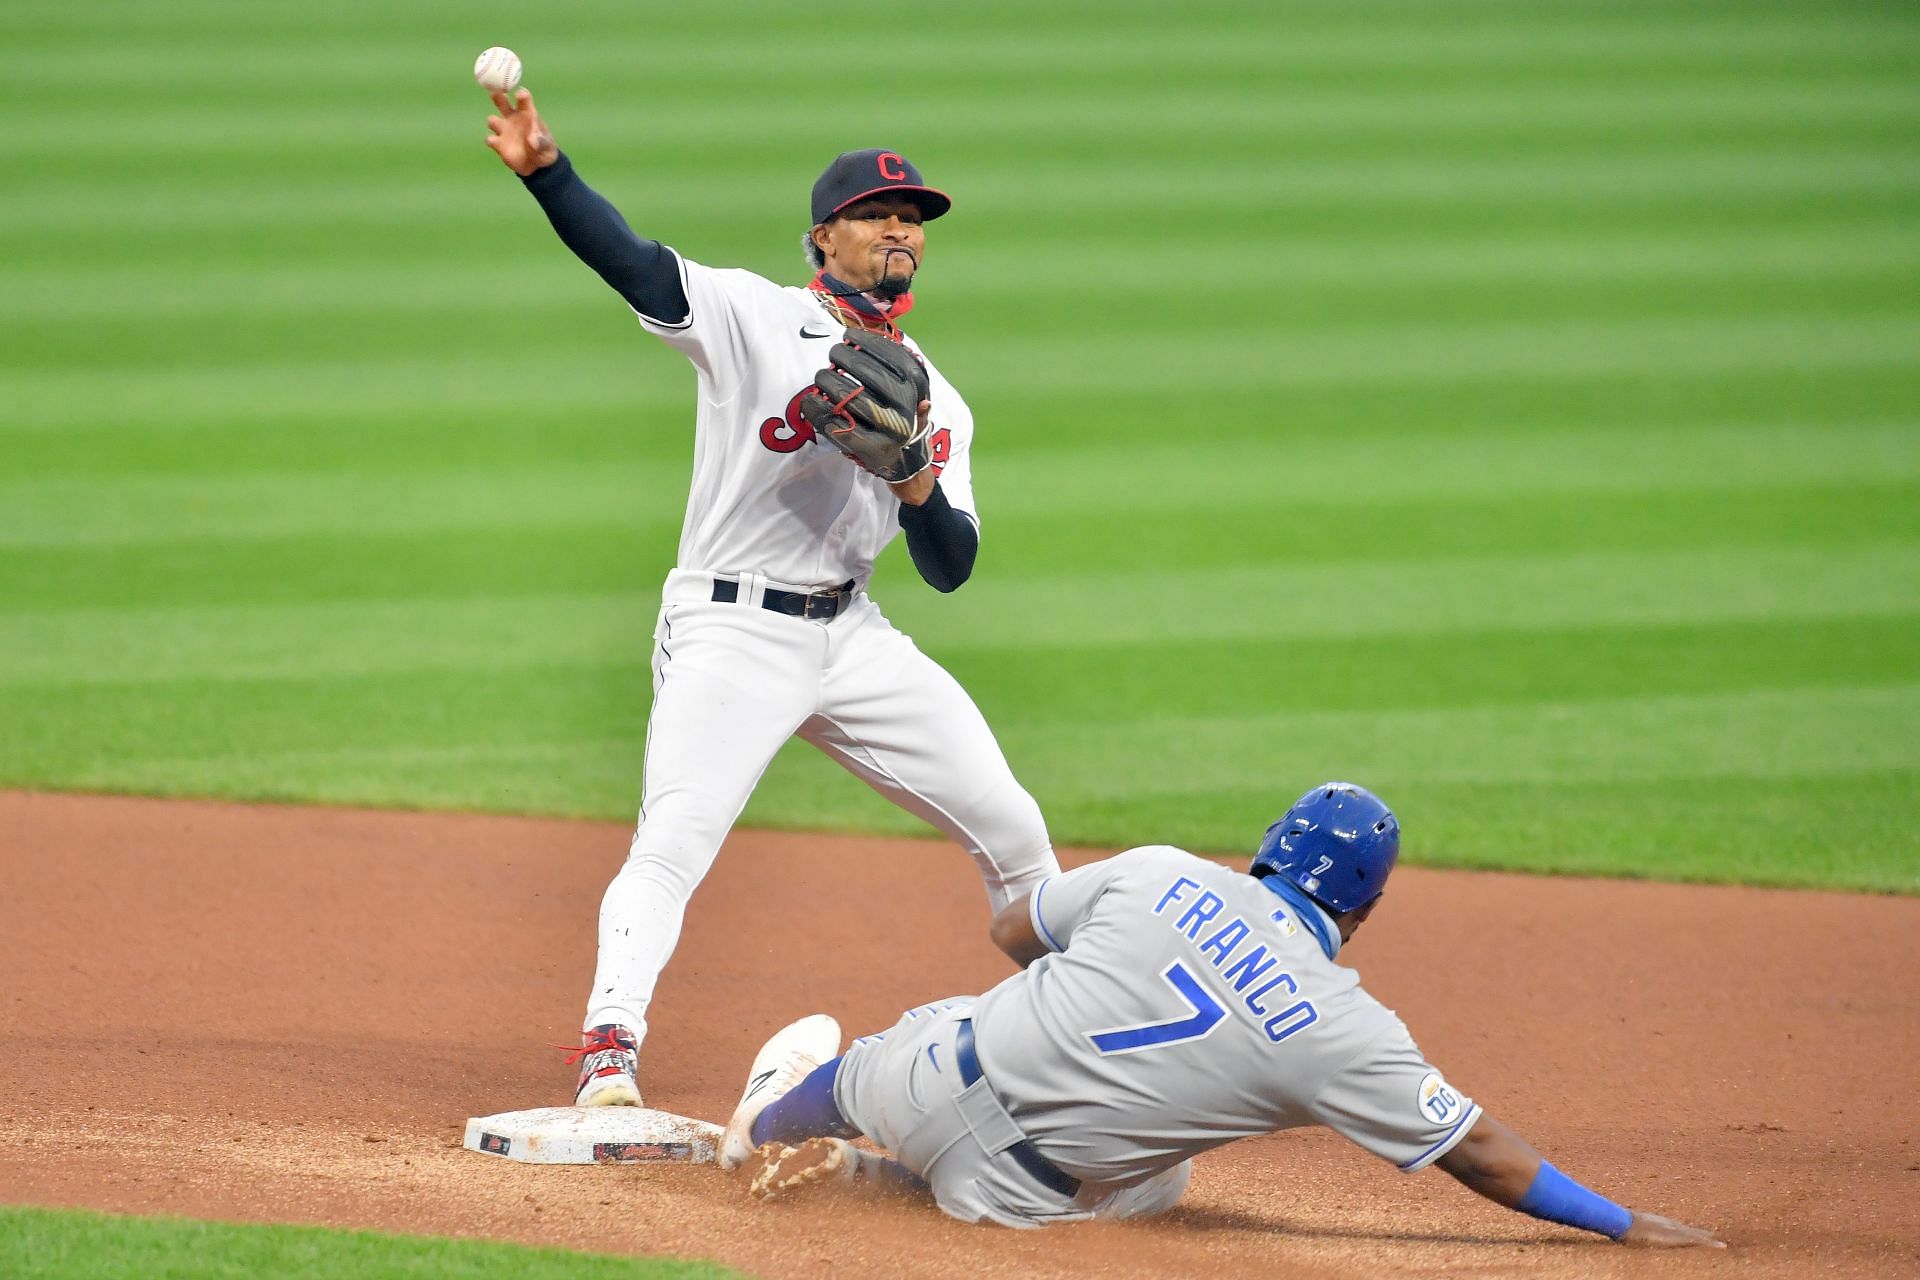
(1513, 407)
(41, 1244)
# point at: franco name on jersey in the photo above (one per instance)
(1250, 969)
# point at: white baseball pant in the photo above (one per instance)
(731, 683)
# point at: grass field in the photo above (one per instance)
(39, 1245)
(1514, 407)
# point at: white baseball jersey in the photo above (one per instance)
(767, 496)
(1189, 1005)
(775, 507)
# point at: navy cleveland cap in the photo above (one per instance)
(856, 175)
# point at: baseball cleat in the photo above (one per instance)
(609, 1059)
(777, 1169)
(782, 1063)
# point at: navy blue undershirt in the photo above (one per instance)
(942, 541)
(644, 272)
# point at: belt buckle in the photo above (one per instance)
(830, 601)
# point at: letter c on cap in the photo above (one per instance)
(892, 167)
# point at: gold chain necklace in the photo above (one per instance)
(855, 319)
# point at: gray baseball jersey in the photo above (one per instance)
(1188, 1005)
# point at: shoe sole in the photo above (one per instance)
(816, 1036)
(611, 1095)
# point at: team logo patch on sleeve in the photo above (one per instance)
(1438, 1102)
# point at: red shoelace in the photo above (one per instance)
(595, 1041)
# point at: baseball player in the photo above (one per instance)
(1169, 1005)
(821, 431)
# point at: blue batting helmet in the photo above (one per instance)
(1338, 842)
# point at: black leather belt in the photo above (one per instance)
(824, 604)
(1043, 1170)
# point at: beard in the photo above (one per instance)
(893, 281)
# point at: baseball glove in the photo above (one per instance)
(867, 401)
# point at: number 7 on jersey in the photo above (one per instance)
(1203, 1015)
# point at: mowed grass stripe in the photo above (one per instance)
(326, 390)
(1120, 36)
(68, 213)
(1748, 733)
(1773, 830)
(427, 100)
(1290, 313)
(606, 423)
(1222, 356)
(1296, 475)
(1299, 525)
(1255, 601)
(50, 1244)
(1520, 591)
(424, 428)
(1752, 733)
(1475, 324)
(586, 704)
(40, 295)
(1670, 742)
(536, 710)
(1098, 685)
(762, 236)
(1439, 352)
(1471, 118)
(628, 552)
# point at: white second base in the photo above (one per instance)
(593, 1135)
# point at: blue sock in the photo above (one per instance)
(806, 1111)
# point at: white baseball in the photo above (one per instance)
(497, 70)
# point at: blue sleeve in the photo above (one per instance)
(1554, 1197)
(644, 272)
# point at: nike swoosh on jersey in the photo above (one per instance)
(815, 331)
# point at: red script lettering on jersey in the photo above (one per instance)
(785, 435)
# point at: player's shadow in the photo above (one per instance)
(1234, 1220)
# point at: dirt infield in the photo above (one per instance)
(281, 1014)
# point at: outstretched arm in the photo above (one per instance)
(644, 272)
(1501, 1165)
